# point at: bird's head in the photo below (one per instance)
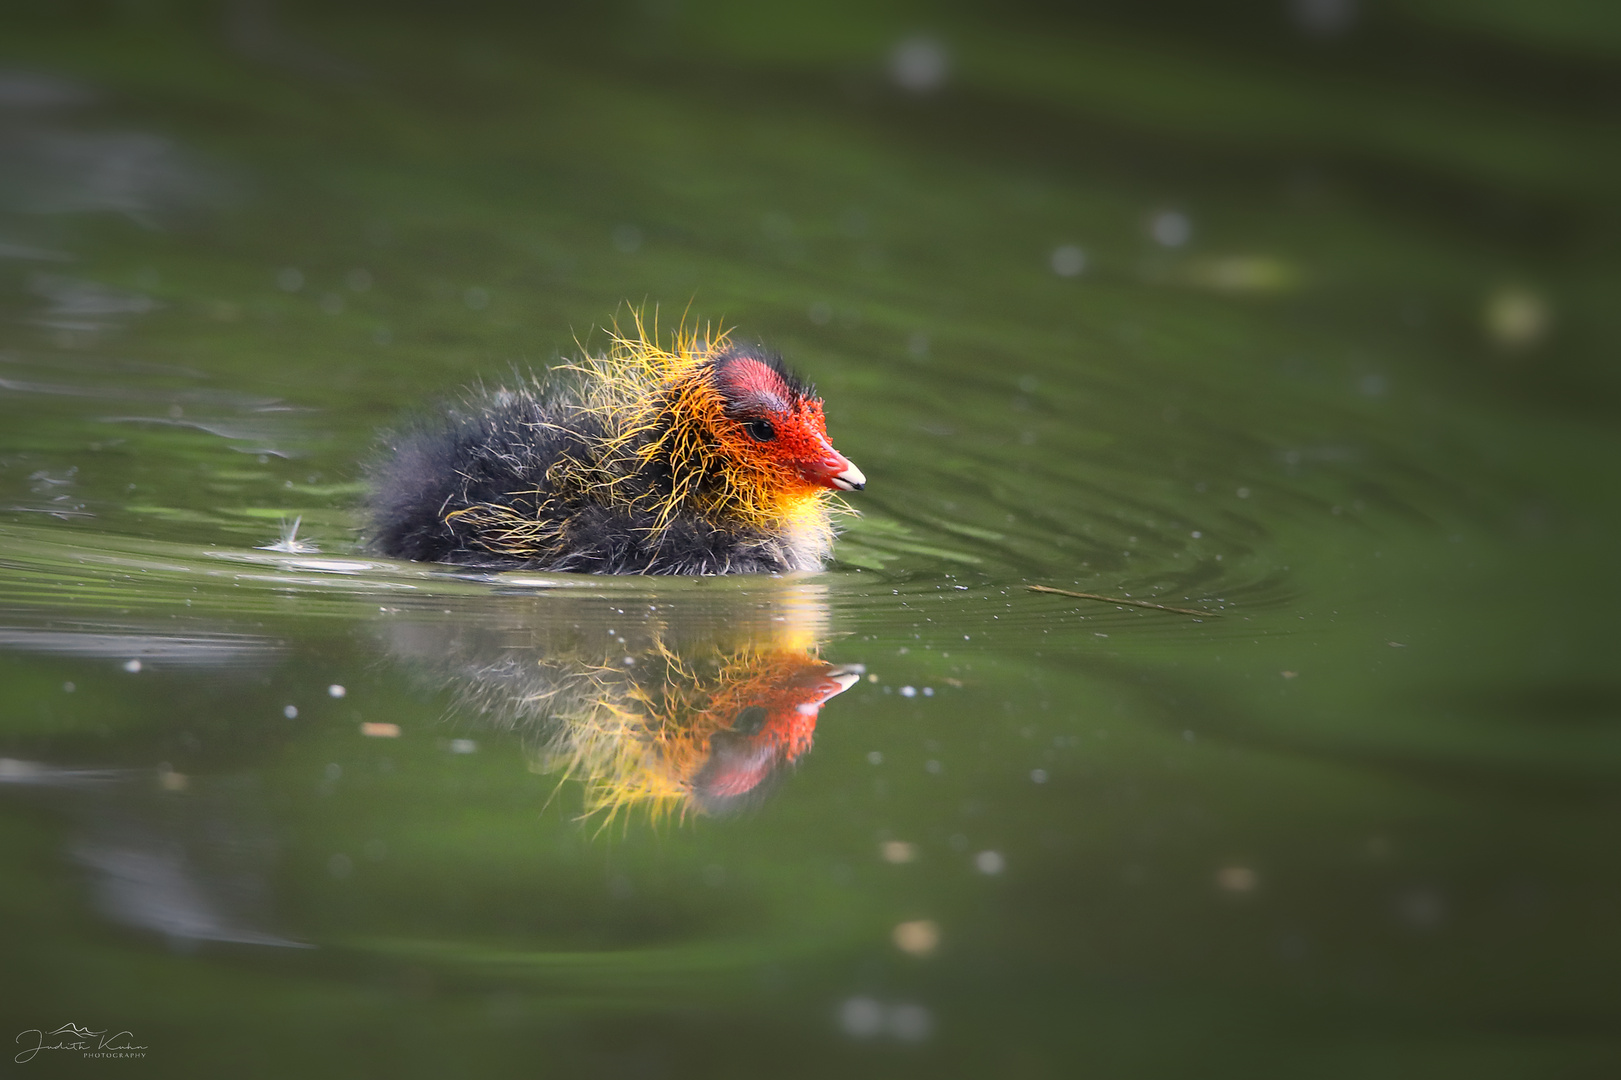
(771, 424)
(740, 436)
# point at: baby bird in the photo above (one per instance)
(711, 458)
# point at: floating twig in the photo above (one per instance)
(1124, 600)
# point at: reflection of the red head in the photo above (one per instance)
(674, 734)
(696, 715)
(773, 719)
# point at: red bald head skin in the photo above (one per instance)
(779, 424)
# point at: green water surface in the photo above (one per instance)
(1299, 316)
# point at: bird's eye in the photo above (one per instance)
(760, 429)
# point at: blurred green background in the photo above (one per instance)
(1297, 312)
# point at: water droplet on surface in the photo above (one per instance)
(898, 851)
(920, 937)
(1516, 317)
(1170, 228)
(920, 65)
(861, 1016)
(1067, 260)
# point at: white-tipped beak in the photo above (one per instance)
(850, 479)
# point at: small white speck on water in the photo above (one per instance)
(919, 937)
(1170, 228)
(1067, 260)
(898, 851)
(920, 65)
(862, 1017)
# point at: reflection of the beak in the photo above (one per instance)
(692, 707)
(846, 675)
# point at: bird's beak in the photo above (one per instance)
(835, 471)
(850, 479)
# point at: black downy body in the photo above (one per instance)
(511, 448)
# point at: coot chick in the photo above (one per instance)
(711, 458)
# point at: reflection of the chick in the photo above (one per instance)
(675, 706)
